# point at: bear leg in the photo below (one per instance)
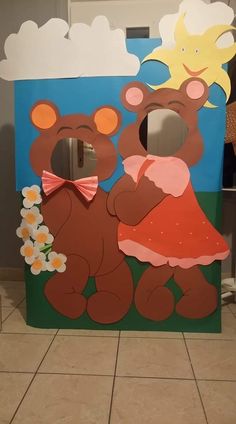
(152, 299)
(199, 297)
(63, 290)
(114, 295)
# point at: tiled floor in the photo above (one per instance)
(91, 377)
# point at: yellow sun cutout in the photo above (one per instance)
(196, 56)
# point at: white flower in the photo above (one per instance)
(31, 196)
(56, 262)
(24, 231)
(42, 236)
(32, 216)
(29, 251)
(39, 264)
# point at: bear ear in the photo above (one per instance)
(44, 115)
(196, 90)
(107, 120)
(133, 96)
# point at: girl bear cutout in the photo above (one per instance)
(161, 221)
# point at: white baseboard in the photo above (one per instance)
(226, 275)
(11, 274)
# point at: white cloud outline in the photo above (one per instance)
(45, 52)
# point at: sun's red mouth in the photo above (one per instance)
(194, 73)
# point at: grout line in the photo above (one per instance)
(211, 339)
(216, 379)
(35, 373)
(156, 378)
(16, 372)
(13, 310)
(28, 334)
(119, 376)
(121, 337)
(233, 339)
(114, 378)
(74, 373)
(196, 382)
(151, 338)
(88, 335)
(46, 351)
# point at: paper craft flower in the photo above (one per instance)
(32, 216)
(42, 236)
(39, 264)
(23, 231)
(56, 262)
(37, 238)
(32, 196)
(29, 251)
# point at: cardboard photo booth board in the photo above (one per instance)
(134, 245)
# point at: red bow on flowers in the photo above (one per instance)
(86, 186)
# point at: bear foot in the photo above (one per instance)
(106, 308)
(158, 306)
(72, 305)
(198, 303)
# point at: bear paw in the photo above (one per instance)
(158, 306)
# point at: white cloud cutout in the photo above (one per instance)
(198, 17)
(45, 52)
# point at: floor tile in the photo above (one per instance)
(93, 333)
(66, 399)
(81, 355)
(11, 296)
(16, 324)
(152, 334)
(149, 401)
(22, 304)
(12, 389)
(232, 307)
(228, 330)
(219, 401)
(213, 359)
(22, 352)
(225, 309)
(153, 358)
(6, 311)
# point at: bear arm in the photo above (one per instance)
(124, 184)
(132, 206)
(56, 210)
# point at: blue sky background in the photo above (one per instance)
(84, 95)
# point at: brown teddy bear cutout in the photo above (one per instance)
(161, 220)
(83, 230)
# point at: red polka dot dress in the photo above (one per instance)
(176, 231)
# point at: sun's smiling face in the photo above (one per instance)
(196, 56)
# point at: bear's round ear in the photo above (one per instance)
(196, 90)
(44, 115)
(133, 96)
(107, 120)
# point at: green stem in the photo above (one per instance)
(46, 248)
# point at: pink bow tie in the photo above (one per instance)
(86, 186)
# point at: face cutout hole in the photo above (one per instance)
(73, 159)
(163, 132)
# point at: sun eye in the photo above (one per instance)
(183, 49)
(196, 50)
